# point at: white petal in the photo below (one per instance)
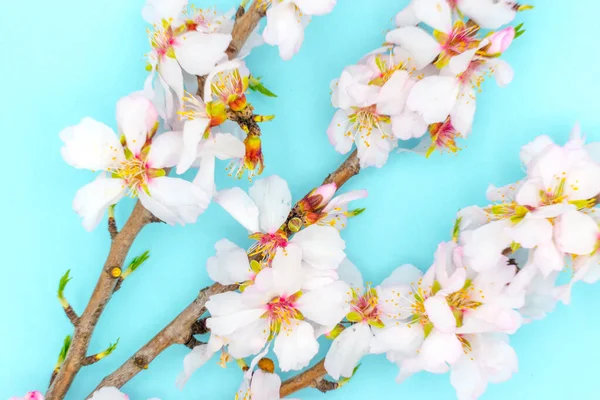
(419, 43)
(165, 150)
(284, 29)
(406, 17)
(136, 117)
(155, 11)
(198, 52)
(344, 199)
(434, 97)
(295, 345)
(288, 275)
(192, 135)
(315, 7)
(584, 182)
(230, 265)
(375, 146)
(576, 233)
(240, 206)
(348, 273)
(347, 350)
(327, 305)
(225, 146)
(403, 339)
(440, 348)
(393, 94)
(178, 196)
(488, 14)
(440, 314)
(192, 361)
(529, 193)
(322, 246)
(503, 72)
(531, 232)
(534, 149)
(463, 113)
(408, 125)
(170, 72)
(265, 386)
(404, 275)
(435, 13)
(273, 198)
(249, 340)
(548, 258)
(109, 393)
(205, 178)
(337, 132)
(92, 200)
(483, 246)
(466, 378)
(228, 324)
(91, 145)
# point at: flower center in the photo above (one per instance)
(460, 39)
(443, 136)
(134, 172)
(386, 70)
(253, 160)
(267, 244)
(366, 120)
(230, 88)
(162, 40)
(281, 310)
(365, 307)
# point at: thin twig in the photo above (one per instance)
(76, 355)
(180, 329)
(112, 227)
(71, 314)
(312, 377)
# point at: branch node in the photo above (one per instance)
(141, 362)
(199, 327)
(324, 386)
(112, 227)
(192, 342)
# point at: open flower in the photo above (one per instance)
(260, 383)
(264, 210)
(275, 308)
(133, 165)
(179, 50)
(286, 20)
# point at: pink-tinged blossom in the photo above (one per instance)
(35, 395)
(263, 211)
(132, 165)
(275, 308)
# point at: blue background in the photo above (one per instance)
(63, 60)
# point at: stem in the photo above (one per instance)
(119, 248)
(312, 377)
(180, 330)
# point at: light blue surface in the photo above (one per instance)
(63, 60)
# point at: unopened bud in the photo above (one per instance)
(295, 224)
(115, 272)
(500, 41)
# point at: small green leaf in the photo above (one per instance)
(376, 323)
(343, 381)
(435, 287)
(256, 85)
(111, 347)
(519, 33)
(136, 263)
(456, 229)
(354, 317)
(356, 212)
(62, 284)
(63, 352)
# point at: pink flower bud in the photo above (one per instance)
(326, 192)
(501, 40)
(34, 396)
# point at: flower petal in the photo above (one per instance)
(193, 131)
(440, 314)
(230, 265)
(265, 385)
(419, 43)
(136, 117)
(322, 246)
(250, 340)
(347, 350)
(435, 13)
(92, 200)
(192, 361)
(295, 345)
(576, 233)
(327, 305)
(339, 135)
(434, 97)
(199, 52)
(91, 145)
(315, 7)
(240, 206)
(273, 198)
(165, 150)
(284, 29)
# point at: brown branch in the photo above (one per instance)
(89, 360)
(245, 24)
(178, 331)
(102, 292)
(71, 314)
(312, 377)
(112, 227)
(182, 327)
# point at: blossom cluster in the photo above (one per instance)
(422, 84)
(186, 43)
(105, 393)
(499, 271)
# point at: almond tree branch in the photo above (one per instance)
(84, 328)
(312, 377)
(186, 324)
